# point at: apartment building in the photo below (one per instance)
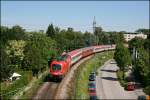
(129, 36)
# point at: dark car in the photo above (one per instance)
(92, 92)
(94, 73)
(91, 77)
(91, 85)
(93, 97)
(141, 97)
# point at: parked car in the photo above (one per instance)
(94, 73)
(91, 85)
(92, 91)
(93, 97)
(130, 86)
(141, 97)
(91, 77)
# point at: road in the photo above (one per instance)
(107, 85)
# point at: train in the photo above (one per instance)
(60, 66)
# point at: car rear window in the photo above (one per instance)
(93, 91)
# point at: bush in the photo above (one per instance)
(13, 88)
(120, 78)
(147, 90)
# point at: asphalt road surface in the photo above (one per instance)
(107, 85)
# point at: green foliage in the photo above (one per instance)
(50, 31)
(120, 75)
(145, 31)
(89, 39)
(38, 49)
(8, 90)
(110, 37)
(14, 33)
(141, 64)
(122, 57)
(69, 40)
(15, 51)
(98, 30)
(136, 42)
(30, 50)
(147, 90)
(82, 74)
(142, 68)
(147, 44)
(36, 83)
(5, 68)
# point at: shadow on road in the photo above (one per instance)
(113, 71)
(110, 78)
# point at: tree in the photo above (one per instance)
(122, 57)
(147, 43)
(70, 29)
(144, 31)
(57, 30)
(38, 49)
(136, 42)
(15, 49)
(89, 39)
(142, 68)
(17, 33)
(50, 31)
(98, 34)
(14, 33)
(98, 30)
(4, 36)
(6, 70)
(141, 63)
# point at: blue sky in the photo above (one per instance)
(110, 15)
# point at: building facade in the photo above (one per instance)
(129, 36)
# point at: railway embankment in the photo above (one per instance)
(77, 88)
(65, 86)
(74, 85)
(31, 88)
(69, 87)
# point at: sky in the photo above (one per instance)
(110, 15)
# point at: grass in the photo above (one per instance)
(82, 74)
(9, 89)
(120, 78)
(147, 90)
(36, 84)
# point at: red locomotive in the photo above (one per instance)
(60, 66)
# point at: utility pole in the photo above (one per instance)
(94, 25)
(94, 28)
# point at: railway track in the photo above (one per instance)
(47, 90)
(57, 90)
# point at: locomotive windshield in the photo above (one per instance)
(56, 67)
(62, 58)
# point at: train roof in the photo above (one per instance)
(74, 52)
